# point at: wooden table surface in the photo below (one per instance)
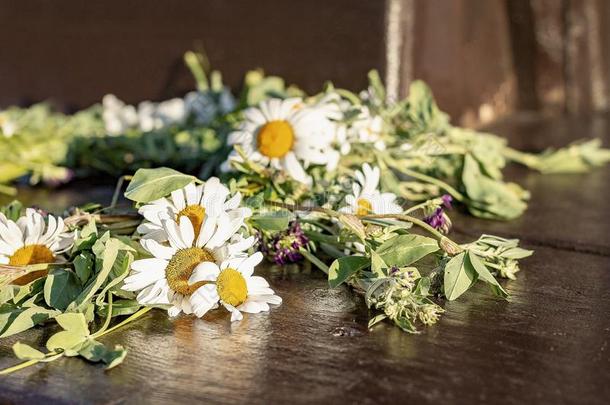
(549, 344)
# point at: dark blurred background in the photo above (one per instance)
(483, 58)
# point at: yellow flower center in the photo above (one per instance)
(231, 287)
(31, 254)
(275, 139)
(181, 266)
(196, 214)
(364, 207)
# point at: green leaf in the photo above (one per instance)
(120, 270)
(341, 269)
(424, 114)
(74, 322)
(61, 288)
(75, 333)
(491, 198)
(354, 225)
(95, 351)
(151, 184)
(273, 221)
(516, 253)
(86, 237)
(376, 84)
(120, 308)
(7, 293)
(107, 253)
(485, 275)
(459, 276)
(25, 352)
(376, 319)
(83, 266)
(29, 290)
(68, 341)
(378, 265)
(404, 250)
(14, 320)
(423, 286)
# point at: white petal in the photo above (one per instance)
(173, 234)
(235, 314)
(204, 299)
(191, 194)
(206, 231)
(152, 264)
(187, 232)
(294, 168)
(251, 307)
(206, 271)
(158, 250)
(233, 202)
(246, 268)
(256, 282)
(178, 199)
(138, 281)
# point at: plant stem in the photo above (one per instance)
(447, 244)
(454, 193)
(317, 262)
(108, 316)
(19, 367)
(415, 207)
(526, 159)
(48, 357)
(428, 179)
(117, 189)
(126, 321)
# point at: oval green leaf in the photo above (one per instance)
(151, 184)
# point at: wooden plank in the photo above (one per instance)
(548, 344)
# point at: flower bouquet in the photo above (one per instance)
(359, 187)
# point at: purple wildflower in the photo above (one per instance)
(436, 220)
(447, 199)
(439, 220)
(283, 247)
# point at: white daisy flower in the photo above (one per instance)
(153, 116)
(368, 128)
(164, 278)
(233, 285)
(118, 116)
(284, 133)
(31, 240)
(366, 198)
(8, 127)
(199, 203)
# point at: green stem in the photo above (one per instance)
(117, 190)
(126, 321)
(317, 262)
(429, 179)
(108, 316)
(4, 189)
(416, 207)
(19, 367)
(420, 176)
(526, 159)
(48, 357)
(447, 244)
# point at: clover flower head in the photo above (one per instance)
(284, 247)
